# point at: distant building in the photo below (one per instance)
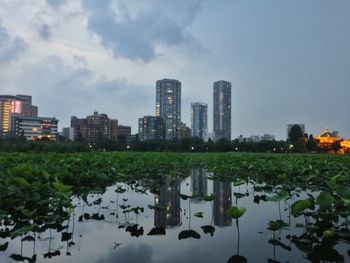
(185, 131)
(267, 137)
(124, 133)
(34, 128)
(151, 127)
(222, 110)
(27, 108)
(20, 105)
(68, 133)
(113, 129)
(95, 127)
(168, 106)
(199, 119)
(253, 138)
(289, 127)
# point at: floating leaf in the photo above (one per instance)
(156, 231)
(188, 234)
(4, 246)
(277, 225)
(299, 206)
(237, 259)
(279, 197)
(325, 200)
(208, 198)
(208, 229)
(198, 214)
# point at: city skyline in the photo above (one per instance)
(75, 57)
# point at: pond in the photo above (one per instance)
(182, 218)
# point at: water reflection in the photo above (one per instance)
(199, 183)
(97, 232)
(168, 203)
(222, 202)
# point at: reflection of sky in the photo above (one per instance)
(95, 241)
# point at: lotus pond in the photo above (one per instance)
(174, 207)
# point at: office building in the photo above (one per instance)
(95, 127)
(68, 133)
(34, 128)
(27, 108)
(222, 110)
(168, 106)
(199, 120)
(124, 133)
(19, 105)
(150, 128)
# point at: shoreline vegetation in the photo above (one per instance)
(182, 145)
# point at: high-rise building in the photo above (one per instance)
(8, 104)
(151, 127)
(19, 105)
(168, 106)
(94, 127)
(222, 110)
(199, 119)
(27, 108)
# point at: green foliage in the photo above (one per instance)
(236, 212)
(300, 205)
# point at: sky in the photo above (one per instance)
(288, 61)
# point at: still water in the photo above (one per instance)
(155, 222)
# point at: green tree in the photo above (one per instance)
(294, 134)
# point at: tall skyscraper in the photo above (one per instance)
(168, 106)
(199, 119)
(222, 110)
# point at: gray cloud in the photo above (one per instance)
(136, 35)
(10, 47)
(56, 3)
(45, 32)
(62, 90)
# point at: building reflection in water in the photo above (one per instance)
(222, 202)
(169, 199)
(199, 183)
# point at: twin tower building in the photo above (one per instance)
(166, 124)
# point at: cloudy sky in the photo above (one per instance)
(288, 61)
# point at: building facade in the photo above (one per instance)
(199, 120)
(19, 105)
(168, 106)
(150, 128)
(222, 110)
(95, 127)
(34, 128)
